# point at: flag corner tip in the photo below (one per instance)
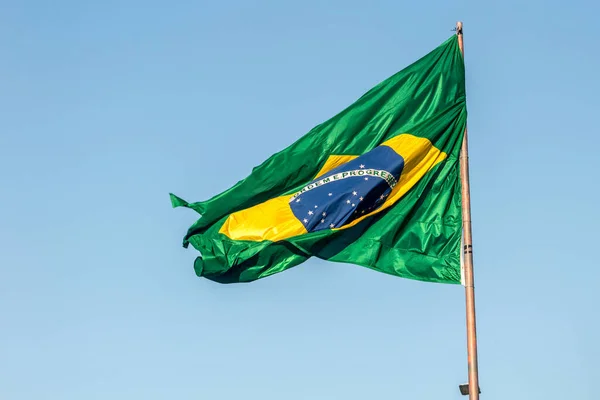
(177, 201)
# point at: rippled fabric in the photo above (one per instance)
(376, 185)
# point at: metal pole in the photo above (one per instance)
(468, 255)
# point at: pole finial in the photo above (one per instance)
(459, 28)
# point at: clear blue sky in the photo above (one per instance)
(108, 106)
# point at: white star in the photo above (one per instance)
(366, 178)
(354, 193)
(330, 194)
(348, 201)
(331, 226)
(323, 220)
(310, 213)
(382, 197)
(362, 212)
(362, 166)
(361, 199)
(324, 214)
(353, 204)
(298, 201)
(316, 206)
(305, 220)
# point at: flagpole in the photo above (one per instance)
(468, 254)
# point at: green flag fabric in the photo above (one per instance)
(376, 185)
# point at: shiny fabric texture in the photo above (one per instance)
(250, 231)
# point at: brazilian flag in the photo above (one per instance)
(377, 185)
